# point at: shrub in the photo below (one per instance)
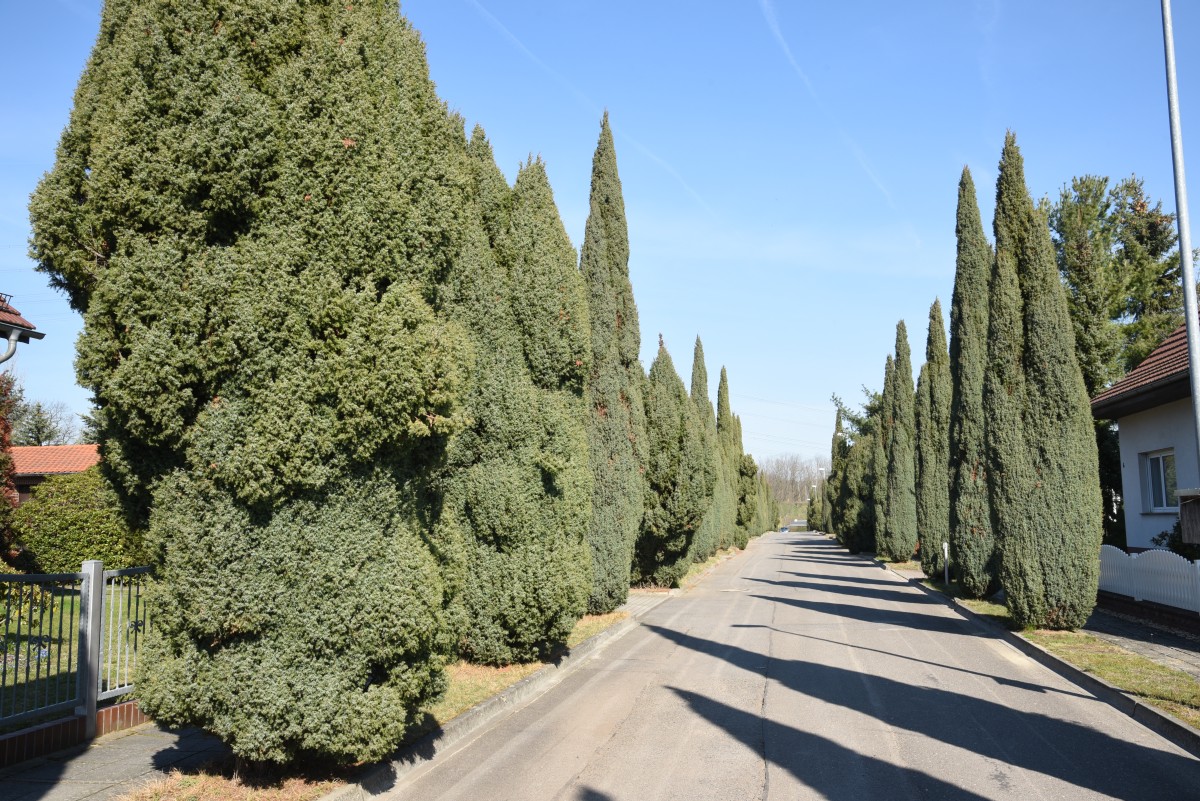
(72, 518)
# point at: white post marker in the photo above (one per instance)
(946, 563)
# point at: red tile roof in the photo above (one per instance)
(10, 317)
(1160, 378)
(41, 460)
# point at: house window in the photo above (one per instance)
(1159, 476)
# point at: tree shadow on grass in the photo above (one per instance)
(1033, 741)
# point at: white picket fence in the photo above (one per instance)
(1160, 576)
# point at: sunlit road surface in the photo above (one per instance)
(797, 671)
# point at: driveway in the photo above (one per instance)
(797, 671)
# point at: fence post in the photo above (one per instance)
(91, 618)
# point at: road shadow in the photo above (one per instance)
(898, 593)
(832, 770)
(902, 618)
(1076, 754)
(851, 579)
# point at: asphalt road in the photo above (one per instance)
(796, 671)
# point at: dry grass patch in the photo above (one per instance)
(217, 783)
(1172, 691)
(697, 570)
(909, 565)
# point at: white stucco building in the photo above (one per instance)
(1153, 409)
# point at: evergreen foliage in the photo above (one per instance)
(932, 418)
(1046, 496)
(972, 542)
(1116, 258)
(729, 437)
(8, 489)
(680, 474)
(900, 529)
(72, 518)
(881, 457)
(833, 521)
(617, 418)
(708, 536)
(517, 479)
(253, 208)
(730, 462)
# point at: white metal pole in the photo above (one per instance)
(1185, 235)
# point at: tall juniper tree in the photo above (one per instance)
(972, 543)
(680, 474)
(708, 537)
(932, 420)
(1046, 494)
(252, 207)
(900, 528)
(517, 479)
(616, 417)
(879, 461)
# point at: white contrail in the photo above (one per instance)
(768, 10)
(592, 106)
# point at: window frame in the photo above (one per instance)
(1149, 480)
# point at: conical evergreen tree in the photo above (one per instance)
(933, 446)
(518, 478)
(680, 475)
(900, 529)
(705, 543)
(834, 522)
(730, 461)
(1047, 509)
(617, 418)
(972, 544)
(879, 462)
(252, 209)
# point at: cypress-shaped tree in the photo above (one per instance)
(705, 543)
(933, 446)
(728, 441)
(1047, 510)
(252, 207)
(680, 474)
(972, 543)
(517, 479)
(880, 459)
(900, 529)
(837, 452)
(616, 418)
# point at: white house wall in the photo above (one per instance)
(1166, 426)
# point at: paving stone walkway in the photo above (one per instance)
(1163, 645)
(111, 766)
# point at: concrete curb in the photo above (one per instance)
(1162, 724)
(381, 778)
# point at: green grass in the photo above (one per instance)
(1170, 690)
(1173, 691)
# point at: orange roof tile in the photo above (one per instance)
(40, 460)
(11, 318)
(1160, 378)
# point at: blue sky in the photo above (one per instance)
(789, 168)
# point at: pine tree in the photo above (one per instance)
(518, 480)
(8, 489)
(972, 543)
(881, 457)
(617, 418)
(708, 537)
(1046, 502)
(252, 208)
(900, 529)
(933, 446)
(680, 475)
